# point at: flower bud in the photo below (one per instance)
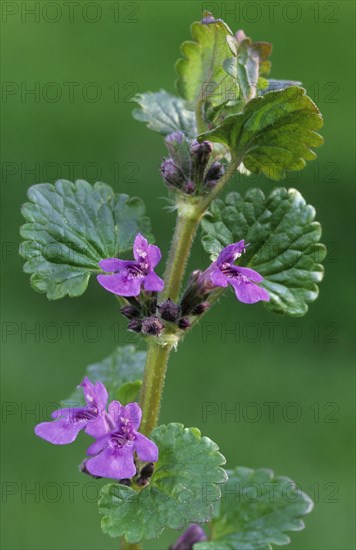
(171, 173)
(191, 536)
(174, 141)
(152, 326)
(135, 325)
(201, 308)
(214, 173)
(169, 311)
(201, 152)
(184, 323)
(130, 311)
(189, 187)
(125, 481)
(145, 475)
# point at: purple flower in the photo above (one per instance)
(130, 276)
(67, 423)
(224, 272)
(113, 454)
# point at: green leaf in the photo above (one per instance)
(165, 113)
(284, 243)
(200, 71)
(248, 64)
(183, 488)
(121, 373)
(273, 134)
(70, 228)
(128, 392)
(255, 511)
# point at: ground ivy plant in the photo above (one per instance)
(228, 116)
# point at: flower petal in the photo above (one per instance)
(250, 273)
(115, 412)
(153, 283)
(218, 278)
(113, 463)
(98, 445)
(248, 292)
(120, 284)
(140, 248)
(154, 255)
(113, 264)
(97, 427)
(88, 391)
(101, 396)
(231, 252)
(132, 411)
(146, 449)
(61, 432)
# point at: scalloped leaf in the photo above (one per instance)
(250, 61)
(165, 113)
(70, 228)
(183, 488)
(256, 510)
(274, 133)
(121, 373)
(284, 243)
(200, 71)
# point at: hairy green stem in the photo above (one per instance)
(186, 226)
(188, 218)
(153, 382)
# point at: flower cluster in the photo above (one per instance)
(139, 284)
(114, 428)
(189, 168)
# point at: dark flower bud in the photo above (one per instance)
(189, 187)
(145, 475)
(184, 323)
(201, 151)
(169, 311)
(201, 308)
(152, 326)
(215, 172)
(84, 470)
(130, 311)
(135, 325)
(126, 482)
(171, 173)
(191, 536)
(147, 470)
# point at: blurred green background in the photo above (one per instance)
(84, 60)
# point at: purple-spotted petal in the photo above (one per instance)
(146, 449)
(121, 284)
(250, 273)
(218, 278)
(113, 264)
(115, 412)
(61, 432)
(133, 413)
(153, 283)
(140, 248)
(231, 252)
(115, 463)
(248, 292)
